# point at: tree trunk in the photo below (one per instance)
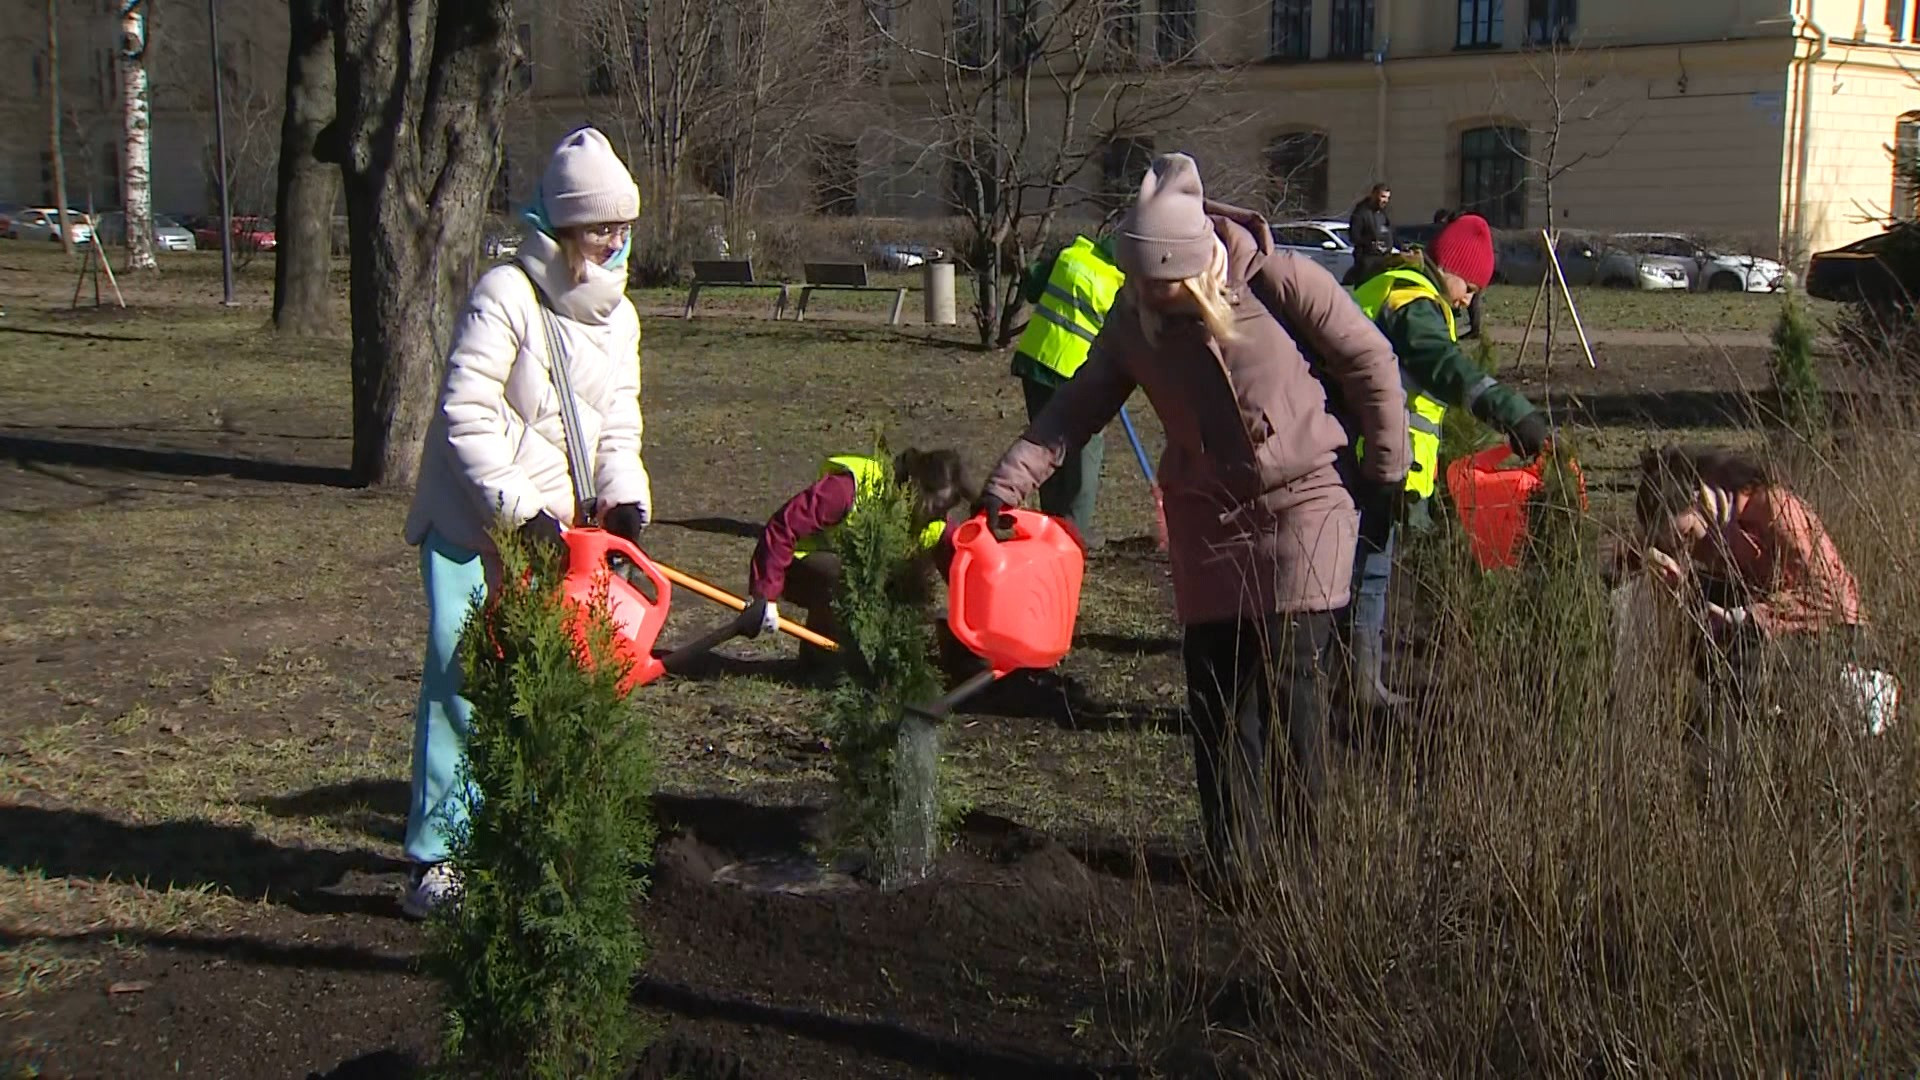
(309, 181)
(53, 127)
(421, 93)
(136, 179)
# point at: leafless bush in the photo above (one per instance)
(1558, 873)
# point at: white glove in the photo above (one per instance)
(765, 616)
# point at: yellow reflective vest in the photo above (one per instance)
(1071, 311)
(868, 473)
(1377, 296)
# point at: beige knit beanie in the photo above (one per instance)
(585, 183)
(1166, 236)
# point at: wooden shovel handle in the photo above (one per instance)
(725, 598)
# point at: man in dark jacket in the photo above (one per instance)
(1371, 233)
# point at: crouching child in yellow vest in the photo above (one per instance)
(1414, 303)
(796, 561)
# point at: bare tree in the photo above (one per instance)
(1039, 111)
(1575, 122)
(136, 174)
(308, 187)
(420, 96)
(54, 148)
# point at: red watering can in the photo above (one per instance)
(1491, 497)
(594, 571)
(1012, 601)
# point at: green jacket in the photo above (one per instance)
(1431, 358)
(1032, 284)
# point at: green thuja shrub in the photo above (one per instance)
(885, 762)
(1796, 383)
(538, 958)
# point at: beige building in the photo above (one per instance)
(1775, 121)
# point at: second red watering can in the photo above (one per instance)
(592, 574)
(1491, 497)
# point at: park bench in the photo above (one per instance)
(731, 274)
(846, 277)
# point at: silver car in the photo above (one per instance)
(43, 223)
(168, 234)
(1324, 242)
(1631, 265)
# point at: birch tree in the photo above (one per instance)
(136, 173)
(54, 149)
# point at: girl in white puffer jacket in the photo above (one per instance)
(496, 452)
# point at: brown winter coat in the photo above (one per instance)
(1258, 519)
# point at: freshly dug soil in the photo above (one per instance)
(991, 967)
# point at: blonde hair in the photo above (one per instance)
(1210, 294)
(570, 249)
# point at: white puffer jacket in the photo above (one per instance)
(496, 449)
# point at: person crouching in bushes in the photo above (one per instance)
(546, 351)
(795, 561)
(1761, 578)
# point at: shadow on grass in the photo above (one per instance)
(1064, 702)
(718, 526)
(375, 808)
(31, 451)
(77, 335)
(188, 854)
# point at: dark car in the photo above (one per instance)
(1523, 261)
(1881, 271)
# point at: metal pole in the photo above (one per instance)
(220, 154)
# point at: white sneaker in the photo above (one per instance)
(431, 886)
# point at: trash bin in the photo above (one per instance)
(937, 285)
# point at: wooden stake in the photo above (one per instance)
(1567, 293)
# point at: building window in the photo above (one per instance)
(836, 179)
(877, 32)
(969, 33)
(1493, 175)
(499, 198)
(1551, 22)
(1297, 173)
(1906, 168)
(1290, 36)
(1020, 32)
(1123, 29)
(972, 188)
(1124, 161)
(1176, 33)
(1352, 26)
(523, 64)
(1482, 25)
(600, 78)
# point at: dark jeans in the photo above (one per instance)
(1074, 487)
(1245, 679)
(811, 585)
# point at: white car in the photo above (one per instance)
(43, 223)
(1324, 242)
(168, 234)
(1708, 270)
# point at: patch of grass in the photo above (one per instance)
(1704, 314)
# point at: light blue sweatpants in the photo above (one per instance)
(456, 583)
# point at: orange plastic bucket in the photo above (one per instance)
(637, 618)
(1014, 602)
(1491, 497)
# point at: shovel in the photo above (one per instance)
(677, 661)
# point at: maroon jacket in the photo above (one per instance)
(824, 504)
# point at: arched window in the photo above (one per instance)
(1493, 174)
(1297, 174)
(1906, 168)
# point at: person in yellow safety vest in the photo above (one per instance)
(795, 559)
(1413, 302)
(1070, 294)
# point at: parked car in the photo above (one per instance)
(904, 256)
(1523, 260)
(9, 211)
(1325, 242)
(1709, 270)
(500, 240)
(168, 234)
(251, 232)
(1651, 265)
(43, 223)
(1881, 271)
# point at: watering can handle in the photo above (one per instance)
(623, 546)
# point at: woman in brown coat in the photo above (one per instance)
(1217, 328)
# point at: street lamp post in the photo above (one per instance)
(220, 155)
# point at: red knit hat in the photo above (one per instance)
(1465, 248)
